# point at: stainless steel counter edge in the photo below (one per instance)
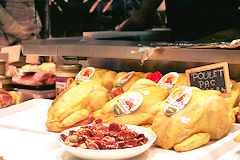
(122, 50)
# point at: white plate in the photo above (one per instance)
(111, 154)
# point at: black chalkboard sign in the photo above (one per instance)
(210, 77)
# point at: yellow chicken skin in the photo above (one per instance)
(238, 98)
(233, 100)
(75, 104)
(207, 112)
(143, 83)
(182, 81)
(237, 138)
(195, 141)
(236, 111)
(145, 113)
(104, 77)
(136, 76)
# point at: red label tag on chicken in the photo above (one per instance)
(168, 80)
(85, 74)
(123, 79)
(177, 100)
(127, 103)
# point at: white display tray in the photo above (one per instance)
(23, 135)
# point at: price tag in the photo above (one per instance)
(177, 100)
(168, 80)
(123, 79)
(85, 74)
(210, 77)
(127, 103)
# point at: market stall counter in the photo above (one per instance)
(24, 125)
(128, 85)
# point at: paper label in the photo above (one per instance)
(177, 100)
(127, 103)
(62, 83)
(146, 92)
(168, 80)
(85, 74)
(185, 120)
(123, 79)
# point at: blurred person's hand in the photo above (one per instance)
(139, 21)
(96, 4)
(142, 19)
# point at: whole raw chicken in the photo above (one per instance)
(145, 113)
(75, 105)
(206, 116)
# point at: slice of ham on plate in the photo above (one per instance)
(35, 79)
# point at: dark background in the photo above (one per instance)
(200, 20)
